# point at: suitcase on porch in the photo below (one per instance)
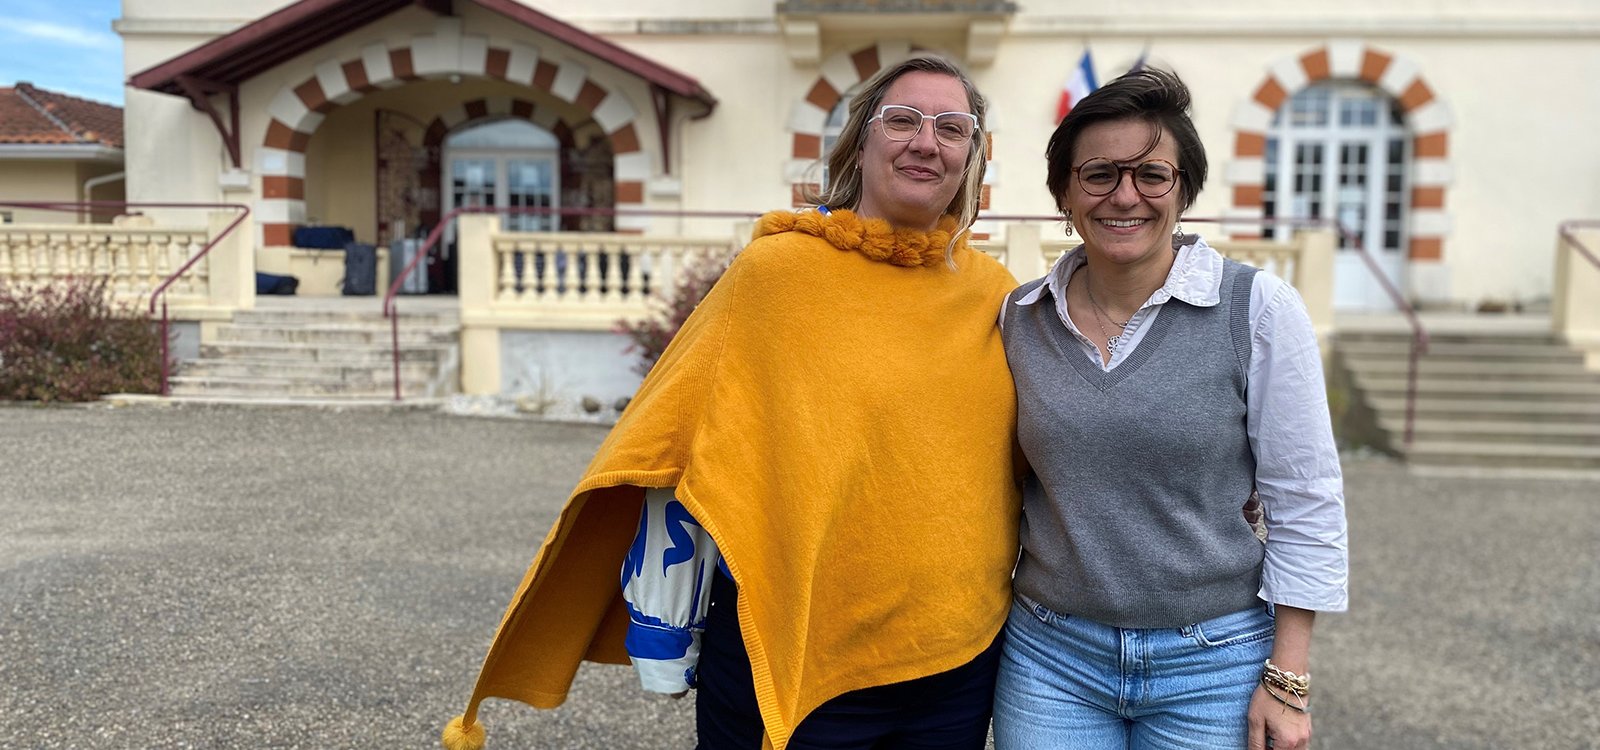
(360, 270)
(322, 238)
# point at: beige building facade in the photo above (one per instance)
(1453, 139)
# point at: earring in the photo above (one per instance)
(1177, 232)
(1069, 224)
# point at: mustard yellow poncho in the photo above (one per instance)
(838, 414)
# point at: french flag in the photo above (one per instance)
(1080, 85)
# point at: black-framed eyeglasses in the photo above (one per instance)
(1153, 179)
(902, 123)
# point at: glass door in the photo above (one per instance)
(1339, 151)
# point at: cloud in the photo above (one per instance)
(45, 31)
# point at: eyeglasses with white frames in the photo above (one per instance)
(902, 123)
(1153, 179)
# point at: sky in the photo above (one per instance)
(66, 46)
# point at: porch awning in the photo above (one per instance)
(223, 63)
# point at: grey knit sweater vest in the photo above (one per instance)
(1132, 516)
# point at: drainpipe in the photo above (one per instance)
(93, 182)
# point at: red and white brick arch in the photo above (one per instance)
(492, 108)
(840, 72)
(1428, 118)
(298, 109)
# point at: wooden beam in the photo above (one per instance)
(200, 91)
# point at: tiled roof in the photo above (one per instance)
(34, 115)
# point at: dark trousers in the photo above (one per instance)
(945, 711)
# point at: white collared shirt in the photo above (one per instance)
(1297, 462)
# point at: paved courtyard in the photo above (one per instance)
(255, 578)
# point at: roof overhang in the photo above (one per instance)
(225, 62)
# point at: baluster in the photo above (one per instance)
(636, 264)
(201, 270)
(7, 242)
(182, 249)
(559, 262)
(162, 256)
(117, 257)
(608, 259)
(506, 281)
(535, 270)
(36, 270)
(77, 266)
(144, 262)
(589, 269)
(58, 257)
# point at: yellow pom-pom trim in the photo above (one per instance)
(458, 737)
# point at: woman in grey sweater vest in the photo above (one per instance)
(1159, 386)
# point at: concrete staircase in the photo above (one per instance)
(1492, 399)
(324, 351)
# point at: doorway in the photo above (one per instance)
(1341, 151)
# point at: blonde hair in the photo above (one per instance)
(844, 175)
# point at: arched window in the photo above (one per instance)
(1340, 151)
(505, 163)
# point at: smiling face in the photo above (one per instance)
(1123, 227)
(911, 183)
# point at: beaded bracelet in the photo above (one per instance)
(1285, 680)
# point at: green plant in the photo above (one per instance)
(650, 335)
(67, 342)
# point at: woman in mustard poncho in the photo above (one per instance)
(822, 459)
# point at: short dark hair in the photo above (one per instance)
(1152, 95)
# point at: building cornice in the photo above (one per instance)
(60, 152)
(1580, 27)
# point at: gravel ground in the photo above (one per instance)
(273, 578)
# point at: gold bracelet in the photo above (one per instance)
(1302, 708)
(1289, 681)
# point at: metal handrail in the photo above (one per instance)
(161, 289)
(1567, 232)
(432, 242)
(1419, 334)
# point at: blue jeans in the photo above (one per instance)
(1068, 682)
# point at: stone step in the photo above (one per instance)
(241, 367)
(1400, 349)
(1522, 455)
(1452, 337)
(335, 334)
(1393, 407)
(1452, 369)
(1482, 388)
(296, 388)
(343, 317)
(1497, 431)
(370, 354)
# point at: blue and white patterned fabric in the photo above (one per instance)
(666, 581)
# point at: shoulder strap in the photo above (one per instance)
(1239, 313)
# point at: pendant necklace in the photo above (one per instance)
(1112, 342)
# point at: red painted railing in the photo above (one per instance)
(1569, 233)
(158, 294)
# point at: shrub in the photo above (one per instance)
(67, 342)
(652, 334)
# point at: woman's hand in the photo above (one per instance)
(1271, 721)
